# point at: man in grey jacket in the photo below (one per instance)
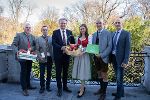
(25, 42)
(102, 38)
(120, 56)
(44, 53)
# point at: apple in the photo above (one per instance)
(72, 46)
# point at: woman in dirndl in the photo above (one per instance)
(81, 66)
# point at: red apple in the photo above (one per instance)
(72, 46)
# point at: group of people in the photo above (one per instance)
(114, 47)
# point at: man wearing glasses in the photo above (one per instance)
(44, 54)
(102, 38)
(25, 42)
(120, 56)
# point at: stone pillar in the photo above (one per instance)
(13, 67)
(147, 69)
(9, 67)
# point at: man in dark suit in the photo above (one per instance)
(59, 41)
(120, 56)
(25, 42)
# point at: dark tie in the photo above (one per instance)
(29, 45)
(46, 39)
(115, 40)
(64, 39)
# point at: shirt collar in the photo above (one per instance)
(44, 36)
(63, 30)
(26, 34)
(100, 30)
(119, 31)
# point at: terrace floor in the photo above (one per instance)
(10, 91)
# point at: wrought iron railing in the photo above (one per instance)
(132, 74)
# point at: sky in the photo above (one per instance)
(39, 5)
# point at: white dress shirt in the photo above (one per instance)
(118, 35)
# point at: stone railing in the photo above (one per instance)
(139, 62)
(146, 82)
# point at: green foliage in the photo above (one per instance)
(140, 36)
(132, 74)
(138, 29)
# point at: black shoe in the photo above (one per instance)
(31, 87)
(116, 98)
(115, 94)
(59, 93)
(67, 90)
(48, 89)
(25, 92)
(102, 97)
(79, 96)
(98, 92)
(41, 90)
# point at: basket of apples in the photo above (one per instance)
(73, 50)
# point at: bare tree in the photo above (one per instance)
(144, 7)
(1, 10)
(29, 11)
(50, 13)
(140, 8)
(89, 11)
(17, 8)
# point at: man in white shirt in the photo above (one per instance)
(60, 39)
(120, 56)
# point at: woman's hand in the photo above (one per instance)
(123, 65)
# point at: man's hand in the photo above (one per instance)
(123, 65)
(22, 50)
(41, 58)
(29, 49)
(34, 53)
(98, 56)
(63, 48)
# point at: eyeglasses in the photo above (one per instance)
(63, 23)
(28, 27)
(44, 29)
(99, 23)
(117, 22)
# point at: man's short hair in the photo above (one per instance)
(43, 26)
(100, 20)
(63, 19)
(25, 24)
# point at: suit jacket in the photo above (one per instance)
(44, 47)
(123, 47)
(21, 42)
(57, 43)
(105, 44)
